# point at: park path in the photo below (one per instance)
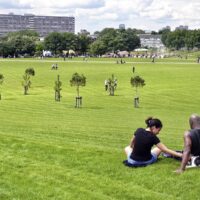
(93, 61)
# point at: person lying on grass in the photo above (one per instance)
(140, 152)
(191, 142)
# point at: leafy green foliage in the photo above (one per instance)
(78, 80)
(19, 43)
(53, 42)
(26, 83)
(113, 40)
(181, 39)
(83, 42)
(69, 41)
(137, 81)
(112, 85)
(30, 71)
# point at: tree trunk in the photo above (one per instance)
(136, 102)
(77, 89)
(78, 102)
(136, 98)
(25, 90)
(112, 90)
(136, 91)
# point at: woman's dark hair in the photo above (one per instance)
(150, 121)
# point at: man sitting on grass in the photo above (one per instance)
(191, 142)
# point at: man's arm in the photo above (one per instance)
(186, 152)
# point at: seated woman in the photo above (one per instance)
(140, 152)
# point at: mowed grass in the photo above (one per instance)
(51, 150)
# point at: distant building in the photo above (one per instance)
(43, 25)
(181, 27)
(166, 28)
(84, 31)
(151, 41)
(122, 26)
(94, 36)
(147, 31)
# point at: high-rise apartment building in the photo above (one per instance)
(43, 25)
(122, 26)
(181, 27)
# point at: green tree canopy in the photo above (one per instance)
(136, 82)
(113, 40)
(78, 80)
(83, 43)
(19, 43)
(179, 39)
(26, 83)
(69, 41)
(30, 71)
(98, 48)
(54, 42)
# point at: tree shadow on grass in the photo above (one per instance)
(94, 107)
(9, 99)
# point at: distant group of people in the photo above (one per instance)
(140, 152)
(120, 61)
(54, 66)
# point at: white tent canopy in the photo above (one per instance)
(141, 49)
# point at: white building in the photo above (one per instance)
(151, 41)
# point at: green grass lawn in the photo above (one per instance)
(51, 150)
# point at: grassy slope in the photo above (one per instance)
(50, 150)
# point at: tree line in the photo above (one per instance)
(78, 80)
(28, 43)
(181, 39)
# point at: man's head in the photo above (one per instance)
(194, 121)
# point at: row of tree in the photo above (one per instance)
(78, 80)
(181, 39)
(27, 43)
(19, 43)
(111, 84)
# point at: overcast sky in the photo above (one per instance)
(94, 15)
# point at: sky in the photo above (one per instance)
(95, 15)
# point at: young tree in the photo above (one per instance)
(78, 80)
(112, 85)
(57, 88)
(30, 71)
(137, 82)
(1, 82)
(26, 83)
